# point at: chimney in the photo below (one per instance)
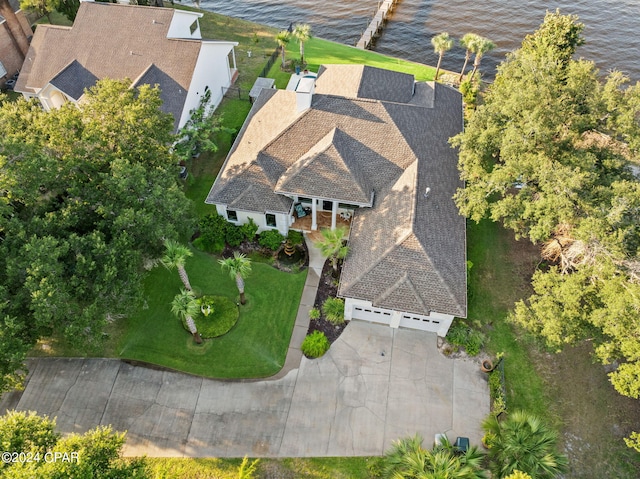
(304, 93)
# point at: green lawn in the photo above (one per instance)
(495, 284)
(322, 52)
(255, 347)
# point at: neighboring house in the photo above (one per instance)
(148, 45)
(368, 145)
(11, 57)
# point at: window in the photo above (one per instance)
(347, 206)
(303, 199)
(194, 27)
(271, 219)
(232, 215)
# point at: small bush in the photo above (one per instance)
(234, 235)
(475, 341)
(314, 313)
(470, 339)
(201, 244)
(213, 230)
(295, 237)
(333, 309)
(249, 230)
(271, 239)
(315, 345)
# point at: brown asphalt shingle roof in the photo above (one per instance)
(114, 41)
(407, 252)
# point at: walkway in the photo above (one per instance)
(374, 385)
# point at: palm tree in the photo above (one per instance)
(407, 459)
(302, 33)
(442, 43)
(16, 32)
(480, 47)
(175, 256)
(239, 268)
(468, 41)
(518, 475)
(332, 245)
(522, 442)
(185, 307)
(282, 39)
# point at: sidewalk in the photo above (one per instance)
(294, 355)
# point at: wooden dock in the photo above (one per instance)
(384, 10)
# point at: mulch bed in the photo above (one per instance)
(249, 247)
(328, 287)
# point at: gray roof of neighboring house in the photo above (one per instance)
(73, 80)
(16, 6)
(114, 41)
(407, 252)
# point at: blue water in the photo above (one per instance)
(612, 26)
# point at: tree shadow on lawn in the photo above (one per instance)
(255, 347)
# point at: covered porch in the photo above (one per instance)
(323, 220)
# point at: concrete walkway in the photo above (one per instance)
(374, 385)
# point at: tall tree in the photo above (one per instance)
(185, 307)
(175, 256)
(480, 47)
(69, 8)
(302, 33)
(442, 43)
(468, 42)
(18, 36)
(90, 191)
(41, 8)
(239, 268)
(547, 154)
(282, 39)
(522, 442)
(332, 245)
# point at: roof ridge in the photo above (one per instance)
(404, 278)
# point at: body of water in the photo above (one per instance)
(611, 26)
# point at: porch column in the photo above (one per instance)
(314, 214)
(233, 53)
(334, 213)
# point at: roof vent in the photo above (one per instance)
(426, 192)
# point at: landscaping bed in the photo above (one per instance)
(327, 288)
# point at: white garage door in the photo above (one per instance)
(371, 314)
(424, 323)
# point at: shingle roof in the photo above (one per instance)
(114, 41)
(16, 7)
(330, 169)
(73, 80)
(407, 252)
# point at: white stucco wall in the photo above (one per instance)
(181, 25)
(434, 322)
(212, 70)
(260, 219)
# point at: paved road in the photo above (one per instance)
(374, 385)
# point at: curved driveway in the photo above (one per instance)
(374, 385)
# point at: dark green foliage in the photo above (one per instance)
(224, 317)
(234, 235)
(271, 239)
(295, 237)
(333, 309)
(249, 230)
(213, 233)
(315, 345)
(93, 192)
(471, 340)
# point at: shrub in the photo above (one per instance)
(249, 230)
(224, 317)
(315, 345)
(475, 341)
(271, 239)
(234, 235)
(333, 309)
(314, 313)
(461, 335)
(295, 237)
(213, 230)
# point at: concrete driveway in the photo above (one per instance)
(374, 385)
